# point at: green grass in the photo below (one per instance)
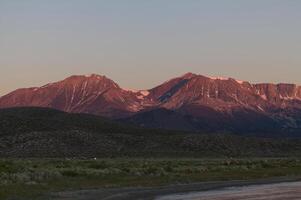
(31, 178)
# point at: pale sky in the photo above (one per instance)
(141, 43)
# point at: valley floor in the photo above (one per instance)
(46, 178)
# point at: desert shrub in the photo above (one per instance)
(148, 170)
(168, 168)
(70, 173)
(10, 167)
(98, 165)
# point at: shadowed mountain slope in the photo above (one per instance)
(39, 132)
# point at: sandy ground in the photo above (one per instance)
(150, 193)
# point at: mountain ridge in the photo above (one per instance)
(213, 103)
(188, 74)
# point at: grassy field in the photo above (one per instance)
(31, 178)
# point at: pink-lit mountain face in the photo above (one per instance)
(189, 102)
(80, 94)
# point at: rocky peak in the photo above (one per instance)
(98, 94)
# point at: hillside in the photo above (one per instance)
(194, 103)
(41, 132)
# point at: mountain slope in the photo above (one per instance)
(226, 104)
(195, 102)
(226, 93)
(92, 94)
(164, 119)
(40, 132)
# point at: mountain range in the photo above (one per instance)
(189, 102)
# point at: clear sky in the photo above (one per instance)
(140, 43)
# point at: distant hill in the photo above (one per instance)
(194, 102)
(41, 132)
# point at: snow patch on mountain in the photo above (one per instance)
(260, 108)
(131, 90)
(263, 96)
(47, 85)
(239, 81)
(144, 92)
(218, 78)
